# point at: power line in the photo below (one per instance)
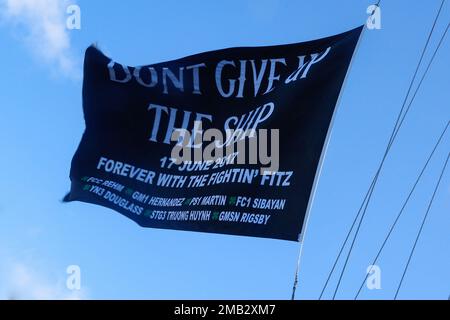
(391, 229)
(395, 130)
(400, 124)
(426, 71)
(378, 5)
(421, 226)
(367, 203)
(395, 222)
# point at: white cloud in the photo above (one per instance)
(22, 282)
(42, 24)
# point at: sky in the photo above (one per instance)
(41, 125)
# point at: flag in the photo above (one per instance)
(226, 141)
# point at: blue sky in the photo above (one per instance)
(42, 123)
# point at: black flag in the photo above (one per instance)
(225, 141)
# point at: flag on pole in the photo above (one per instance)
(226, 141)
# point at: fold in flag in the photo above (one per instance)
(226, 141)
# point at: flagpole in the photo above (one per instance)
(319, 170)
